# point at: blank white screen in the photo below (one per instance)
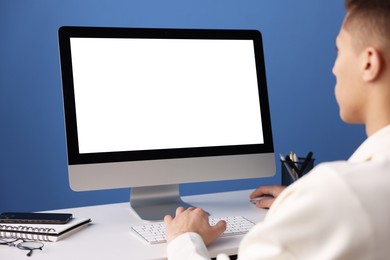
(143, 94)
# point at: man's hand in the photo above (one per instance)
(272, 191)
(193, 220)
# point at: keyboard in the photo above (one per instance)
(155, 233)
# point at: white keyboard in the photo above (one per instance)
(155, 233)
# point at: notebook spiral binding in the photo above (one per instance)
(28, 233)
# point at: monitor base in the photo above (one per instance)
(153, 203)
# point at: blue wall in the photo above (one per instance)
(299, 52)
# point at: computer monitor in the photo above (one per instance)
(151, 109)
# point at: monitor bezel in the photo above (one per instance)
(76, 158)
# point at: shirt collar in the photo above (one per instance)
(377, 142)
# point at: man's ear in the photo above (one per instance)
(371, 64)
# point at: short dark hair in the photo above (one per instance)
(368, 21)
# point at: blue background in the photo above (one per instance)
(299, 54)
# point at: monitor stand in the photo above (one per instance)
(152, 203)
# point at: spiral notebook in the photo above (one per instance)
(42, 232)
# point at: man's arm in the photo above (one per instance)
(272, 192)
(189, 233)
(193, 220)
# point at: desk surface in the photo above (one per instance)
(109, 235)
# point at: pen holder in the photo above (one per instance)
(288, 171)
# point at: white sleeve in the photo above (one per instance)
(189, 246)
(316, 218)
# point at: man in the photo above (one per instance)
(340, 210)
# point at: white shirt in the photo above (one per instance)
(341, 210)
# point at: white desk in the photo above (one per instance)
(109, 235)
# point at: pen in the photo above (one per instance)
(294, 158)
(306, 162)
(292, 166)
(288, 168)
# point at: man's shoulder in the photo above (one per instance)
(358, 180)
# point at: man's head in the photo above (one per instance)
(362, 67)
(368, 22)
